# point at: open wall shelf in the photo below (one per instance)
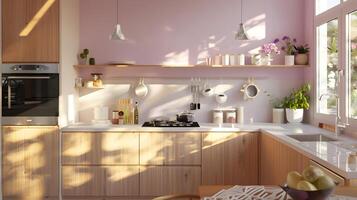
(187, 71)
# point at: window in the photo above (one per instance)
(352, 62)
(323, 5)
(327, 35)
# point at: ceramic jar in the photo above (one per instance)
(278, 115)
(289, 60)
(302, 59)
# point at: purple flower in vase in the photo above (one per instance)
(276, 41)
(286, 38)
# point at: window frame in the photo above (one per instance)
(341, 13)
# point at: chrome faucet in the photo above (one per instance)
(339, 124)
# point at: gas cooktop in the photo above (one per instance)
(173, 124)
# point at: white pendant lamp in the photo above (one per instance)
(117, 33)
(241, 34)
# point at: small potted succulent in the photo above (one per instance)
(84, 57)
(296, 103)
(289, 49)
(267, 52)
(278, 108)
(301, 57)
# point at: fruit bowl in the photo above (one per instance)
(308, 195)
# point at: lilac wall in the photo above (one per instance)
(183, 31)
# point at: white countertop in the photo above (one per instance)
(333, 155)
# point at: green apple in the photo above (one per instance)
(312, 173)
(306, 186)
(324, 182)
(293, 179)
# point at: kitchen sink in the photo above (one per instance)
(312, 138)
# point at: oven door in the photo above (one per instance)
(30, 95)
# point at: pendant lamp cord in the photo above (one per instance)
(117, 11)
(241, 11)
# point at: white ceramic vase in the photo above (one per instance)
(289, 60)
(294, 116)
(265, 59)
(278, 115)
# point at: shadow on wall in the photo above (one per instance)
(184, 32)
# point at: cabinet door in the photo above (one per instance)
(122, 181)
(170, 148)
(87, 181)
(164, 180)
(120, 148)
(30, 162)
(152, 148)
(182, 149)
(230, 158)
(81, 148)
(96, 148)
(277, 160)
(42, 43)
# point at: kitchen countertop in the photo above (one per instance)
(333, 155)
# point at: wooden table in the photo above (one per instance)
(209, 190)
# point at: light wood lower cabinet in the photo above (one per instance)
(230, 158)
(164, 180)
(82, 181)
(30, 162)
(277, 160)
(97, 148)
(100, 181)
(121, 181)
(170, 148)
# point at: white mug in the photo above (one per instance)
(221, 98)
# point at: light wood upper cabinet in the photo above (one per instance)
(41, 45)
(164, 180)
(277, 160)
(30, 162)
(230, 158)
(170, 148)
(96, 148)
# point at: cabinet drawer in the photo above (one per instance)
(170, 148)
(122, 181)
(100, 148)
(82, 181)
(164, 180)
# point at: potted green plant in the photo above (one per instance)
(278, 108)
(296, 103)
(301, 57)
(84, 57)
(288, 47)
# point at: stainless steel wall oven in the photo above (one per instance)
(30, 94)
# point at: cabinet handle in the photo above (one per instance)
(9, 95)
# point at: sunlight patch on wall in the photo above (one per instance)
(177, 58)
(168, 108)
(256, 27)
(222, 88)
